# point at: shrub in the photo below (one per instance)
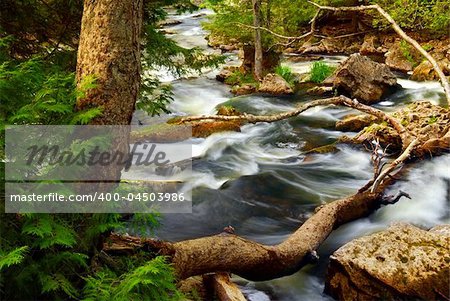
(320, 71)
(286, 73)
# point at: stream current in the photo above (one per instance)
(262, 182)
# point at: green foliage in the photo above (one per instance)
(239, 78)
(286, 73)
(431, 15)
(153, 280)
(432, 119)
(164, 53)
(10, 258)
(406, 51)
(36, 92)
(320, 71)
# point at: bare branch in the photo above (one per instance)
(400, 32)
(274, 33)
(405, 155)
(339, 100)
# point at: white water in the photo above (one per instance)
(261, 181)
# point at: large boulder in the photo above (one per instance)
(402, 57)
(401, 263)
(364, 79)
(275, 85)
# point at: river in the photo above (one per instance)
(262, 183)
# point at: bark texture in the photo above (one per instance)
(109, 51)
(257, 37)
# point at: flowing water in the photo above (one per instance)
(262, 182)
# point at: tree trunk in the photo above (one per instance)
(109, 51)
(269, 14)
(257, 37)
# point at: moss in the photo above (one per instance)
(325, 149)
(238, 78)
(228, 110)
(432, 119)
(205, 129)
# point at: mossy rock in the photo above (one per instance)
(325, 149)
(207, 128)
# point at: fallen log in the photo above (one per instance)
(227, 252)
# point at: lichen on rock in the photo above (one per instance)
(401, 263)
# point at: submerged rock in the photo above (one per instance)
(401, 263)
(364, 79)
(275, 85)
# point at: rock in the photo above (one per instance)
(243, 89)
(425, 70)
(167, 31)
(401, 263)
(205, 128)
(228, 48)
(275, 85)
(356, 123)
(228, 111)
(414, 118)
(320, 90)
(402, 58)
(363, 78)
(370, 45)
(331, 46)
(169, 23)
(224, 74)
(198, 15)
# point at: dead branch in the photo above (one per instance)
(339, 100)
(400, 32)
(274, 33)
(405, 155)
(225, 289)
